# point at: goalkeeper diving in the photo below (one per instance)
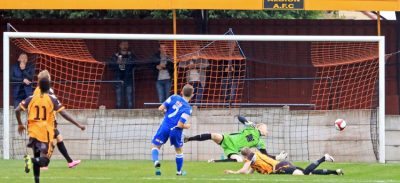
(250, 136)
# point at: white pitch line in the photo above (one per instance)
(256, 180)
(199, 179)
(62, 178)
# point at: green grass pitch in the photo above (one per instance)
(90, 171)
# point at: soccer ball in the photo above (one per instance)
(340, 124)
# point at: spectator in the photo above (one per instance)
(230, 76)
(22, 76)
(196, 73)
(164, 72)
(122, 64)
(229, 82)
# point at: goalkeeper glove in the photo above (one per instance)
(250, 123)
(281, 156)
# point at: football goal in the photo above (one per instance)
(297, 85)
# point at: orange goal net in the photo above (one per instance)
(215, 69)
(347, 75)
(73, 69)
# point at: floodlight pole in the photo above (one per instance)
(175, 56)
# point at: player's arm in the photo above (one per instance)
(264, 151)
(246, 169)
(280, 157)
(21, 127)
(183, 125)
(182, 121)
(164, 106)
(68, 117)
(21, 107)
(245, 122)
(60, 109)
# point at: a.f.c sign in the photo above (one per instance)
(284, 4)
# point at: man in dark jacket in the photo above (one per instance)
(122, 64)
(22, 76)
(164, 73)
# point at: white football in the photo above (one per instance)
(340, 124)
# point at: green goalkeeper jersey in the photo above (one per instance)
(248, 137)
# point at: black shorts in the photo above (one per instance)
(56, 133)
(40, 147)
(285, 167)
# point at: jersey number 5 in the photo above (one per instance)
(38, 113)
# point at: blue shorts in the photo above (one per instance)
(163, 133)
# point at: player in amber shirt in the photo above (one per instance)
(41, 106)
(261, 163)
(60, 141)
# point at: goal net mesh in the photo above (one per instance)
(216, 69)
(331, 79)
(347, 75)
(72, 68)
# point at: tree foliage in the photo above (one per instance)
(135, 14)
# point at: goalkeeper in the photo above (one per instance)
(234, 142)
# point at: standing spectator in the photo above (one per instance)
(229, 79)
(164, 72)
(22, 76)
(122, 64)
(196, 73)
(229, 82)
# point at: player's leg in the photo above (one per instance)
(327, 172)
(231, 158)
(154, 156)
(63, 150)
(310, 168)
(216, 137)
(179, 161)
(41, 158)
(36, 167)
(285, 167)
(159, 139)
(176, 141)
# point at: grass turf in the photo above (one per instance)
(90, 171)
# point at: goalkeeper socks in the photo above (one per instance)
(63, 151)
(324, 172)
(310, 168)
(154, 154)
(201, 137)
(179, 162)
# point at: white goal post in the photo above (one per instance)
(44, 35)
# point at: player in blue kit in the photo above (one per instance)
(177, 112)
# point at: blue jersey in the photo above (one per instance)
(177, 110)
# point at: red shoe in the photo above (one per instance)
(74, 163)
